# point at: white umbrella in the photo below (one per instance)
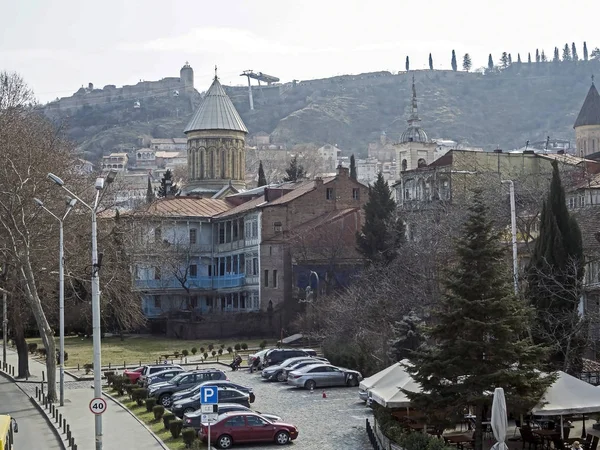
(499, 420)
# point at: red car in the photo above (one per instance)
(239, 427)
(133, 375)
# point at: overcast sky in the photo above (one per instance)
(60, 45)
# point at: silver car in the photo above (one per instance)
(276, 372)
(321, 375)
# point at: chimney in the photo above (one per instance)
(343, 171)
(266, 194)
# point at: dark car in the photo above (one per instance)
(275, 372)
(194, 419)
(163, 391)
(240, 427)
(278, 355)
(224, 395)
(218, 383)
(160, 377)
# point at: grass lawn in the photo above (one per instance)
(144, 348)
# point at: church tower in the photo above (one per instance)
(216, 139)
(587, 125)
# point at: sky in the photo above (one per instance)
(58, 46)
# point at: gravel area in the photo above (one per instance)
(333, 423)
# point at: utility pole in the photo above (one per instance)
(4, 317)
(513, 226)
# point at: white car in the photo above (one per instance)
(260, 355)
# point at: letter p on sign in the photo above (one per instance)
(209, 395)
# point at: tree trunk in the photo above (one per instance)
(478, 435)
(22, 350)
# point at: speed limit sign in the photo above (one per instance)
(98, 406)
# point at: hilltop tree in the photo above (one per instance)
(467, 62)
(574, 54)
(509, 59)
(453, 62)
(353, 173)
(543, 56)
(480, 320)
(430, 62)
(149, 192)
(490, 62)
(537, 55)
(295, 171)
(262, 180)
(167, 186)
(529, 58)
(555, 277)
(595, 55)
(381, 233)
(566, 56)
(585, 51)
(504, 60)
(556, 55)
(407, 64)
(518, 58)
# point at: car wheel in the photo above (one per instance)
(188, 410)
(310, 385)
(282, 438)
(280, 377)
(224, 441)
(353, 382)
(165, 400)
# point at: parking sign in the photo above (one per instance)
(209, 395)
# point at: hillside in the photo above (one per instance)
(505, 108)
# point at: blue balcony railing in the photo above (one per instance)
(225, 281)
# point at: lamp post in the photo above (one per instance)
(61, 297)
(513, 226)
(95, 291)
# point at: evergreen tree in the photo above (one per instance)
(167, 187)
(453, 62)
(566, 56)
(407, 337)
(529, 58)
(381, 233)
(490, 62)
(353, 172)
(595, 55)
(430, 62)
(477, 334)
(504, 60)
(295, 172)
(149, 192)
(555, 276)
(467, 62)
(543, 57)
(509, 59)
(262, 180)
(537, 55)
(556, 55)
(574, 54)
(518, 58)
(585, 52)
(407, 64)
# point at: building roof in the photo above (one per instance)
(169, 141)
(187, 207)
(216, 112)
(590, 111)
(302, 188)
(325, 219)
(244, 207)
(170, 154)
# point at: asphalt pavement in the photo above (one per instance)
(34, 431)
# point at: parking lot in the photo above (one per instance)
(333, 423)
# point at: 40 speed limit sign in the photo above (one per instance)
(98, 406)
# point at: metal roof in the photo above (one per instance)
(216, 112)
(590, 111)
(188, 207)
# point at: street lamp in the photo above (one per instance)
(95, 290)
(61, 298)
(513, 226)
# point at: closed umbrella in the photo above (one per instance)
(499, 420)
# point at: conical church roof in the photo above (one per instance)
(216, 112)
(590, 111)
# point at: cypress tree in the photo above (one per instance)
(430, 62)
(490, 62)
(262, 180)
(504, 60)
(529, 58)
(537, 55)
(555, 274)
(167, 186)
(381, 233)
(407, 64)
(467, 62)
(566, 56)
(149, 192)
(585, 52)
(477, 335)
(509, 59)
(556, 55)
(574, 54)
(543, 56)
(518, 58)
(295, 171)
(453, 62)
(353, 172)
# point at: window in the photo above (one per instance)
(157, 234)
(193, 270)
(193, 235)
(235, 230)
(329, 194)
(157, 273)
(254, 229)
(235, 422)
(228, 231)
(254, 421)
(355, 193)
(274, 278)
(194, 301)
(255, 266)
(266, 278)
(157, 301)
(404, 165)
(221, 233)
(277, 227)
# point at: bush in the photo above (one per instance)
(129, 387)
(31, 348)
(41, 351)
(220, 351)
(205, 355)
(139, 395)
(158, 412)
(118, 381)
(229, 349)
(262, 345)
(176, 353)
(237, 347)
(210, 347)
(58, 356)
(184, 353)
(88, 368)
(244, 346)
(175, 427)
(222, 346)
(109, 377)
(189, 436)
(214, 353)
(166, 418)
(150, 404)
(194, 350)
(202, 350)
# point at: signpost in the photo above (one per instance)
(209, 397)
(98, 406)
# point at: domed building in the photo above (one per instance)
(414, 149)
(587, 125)
(216, 138)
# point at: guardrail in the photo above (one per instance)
(59, 421)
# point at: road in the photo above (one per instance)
(34, 431)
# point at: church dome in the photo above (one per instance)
(414, 134)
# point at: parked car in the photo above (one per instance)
(240, 427)
(153, 369)
(224, 395)
(303, 363)
(320, 375)
(278, 355)
(194, 419)
(159, 377)
(164, 391)
(276, 372)
(219, 383)
(258, 355)
(134, 374)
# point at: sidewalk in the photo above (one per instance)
(120, 428)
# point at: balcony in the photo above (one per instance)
(223, 282)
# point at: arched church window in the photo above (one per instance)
(421, 162)
(233, 164)
(404, 165)
(201, 174)
(223, 163)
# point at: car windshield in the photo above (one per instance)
(176, 378)
(196, 397)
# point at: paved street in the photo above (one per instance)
(34, 431)
(332, 423)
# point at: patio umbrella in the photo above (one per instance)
(499, 420)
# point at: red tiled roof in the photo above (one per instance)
(302, 188)
(188, 207)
